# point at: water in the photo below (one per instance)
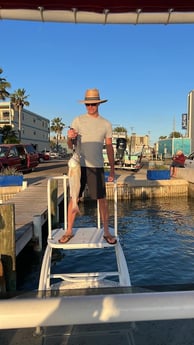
(158, 242)
(157, 237)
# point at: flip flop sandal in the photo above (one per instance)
(108, 239)
(65, 239)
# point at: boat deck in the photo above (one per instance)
(173, 332)
(84, 238)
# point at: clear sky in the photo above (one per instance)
(145, 71)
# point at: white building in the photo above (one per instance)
(35, 129)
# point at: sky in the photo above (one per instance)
(145, 71)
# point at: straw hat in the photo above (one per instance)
(92, 96)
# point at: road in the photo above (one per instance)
(54, 167)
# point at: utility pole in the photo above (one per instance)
(131, 145)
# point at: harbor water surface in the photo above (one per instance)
(157, 237)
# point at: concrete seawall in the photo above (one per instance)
(7, 193)
(149, 189)
(187, 174)
(136, 186)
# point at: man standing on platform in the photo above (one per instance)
(91, 131)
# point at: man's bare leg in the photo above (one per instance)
(103, 206)
(70, 221)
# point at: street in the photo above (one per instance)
(53, 167)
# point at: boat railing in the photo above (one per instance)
(64, 178)
(96, 309)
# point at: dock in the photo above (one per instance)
(30, 208)
(30, 204)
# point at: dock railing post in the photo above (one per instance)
(54, 202)
(115, 209)
(7, 246)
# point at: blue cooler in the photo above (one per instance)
(158, 174)
(106, 175)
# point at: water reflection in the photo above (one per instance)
(157, 238)
(167, 238)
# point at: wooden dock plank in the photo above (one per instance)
(29, 203)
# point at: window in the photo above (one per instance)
(13, 152)
(30, 149)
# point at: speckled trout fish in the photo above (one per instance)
(74, 175)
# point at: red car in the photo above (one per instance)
(43, 156)
(22, 157)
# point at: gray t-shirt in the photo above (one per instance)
(92, 132)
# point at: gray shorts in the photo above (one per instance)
(177, 164)
(94, 178)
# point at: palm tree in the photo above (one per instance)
(18, 99)
(8, 135)
(175, 135)
(57, 126)
(3, 85)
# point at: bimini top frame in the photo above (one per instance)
(100, 12)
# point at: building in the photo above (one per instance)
(138, 142)
(168, 147)
(35, 129)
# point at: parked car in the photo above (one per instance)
(54, 154)
(189, 161)
(43, 156)
(46, 154)
(50, 154)
(22, 157)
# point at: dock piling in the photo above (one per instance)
(7, 246)
(37, 227)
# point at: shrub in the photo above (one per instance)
(10, 171)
